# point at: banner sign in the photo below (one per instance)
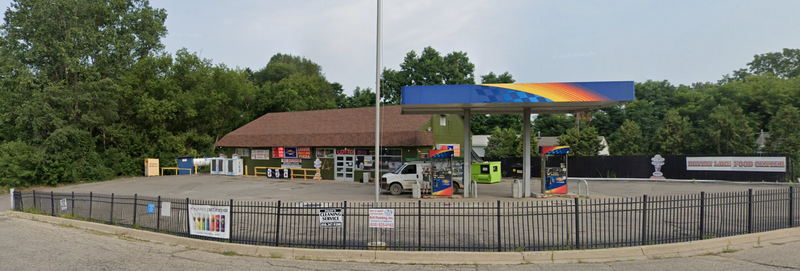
(737, 163)
(166, 208)
(277, 152)
(261, 154)
(304, 152)
(381, 218)
(331, 218)
(290, 152)
(209, 221)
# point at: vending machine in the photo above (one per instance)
(441, 172)
(554, 169)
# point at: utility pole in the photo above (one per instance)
(377, 163)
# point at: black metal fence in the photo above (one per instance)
(453, 226)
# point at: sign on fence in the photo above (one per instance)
(166, 207)
(331, 218)
(210, 221)
(381, 218)
(737, 163)
(63, 203)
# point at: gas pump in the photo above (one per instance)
(441, 172)
(554, 169)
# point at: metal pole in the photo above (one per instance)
(377, 163)
(526, 151)
(466, 179)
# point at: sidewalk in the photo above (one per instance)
(695, 248)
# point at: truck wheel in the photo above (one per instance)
(396, 189)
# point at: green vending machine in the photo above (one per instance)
(486, 172)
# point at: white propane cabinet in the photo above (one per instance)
(233, 166)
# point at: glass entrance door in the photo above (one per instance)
(344, 169)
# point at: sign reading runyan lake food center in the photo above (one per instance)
(331, 218)
(381, 218)
(737, 163)
(210, 221)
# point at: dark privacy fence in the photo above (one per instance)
(638, 166)
(455, 226)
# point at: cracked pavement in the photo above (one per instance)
(34, 245)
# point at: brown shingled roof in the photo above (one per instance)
(335, 128)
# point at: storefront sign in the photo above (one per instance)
(304, 152)
(331, 218)
(209, 221)
(290, 152)
(277, 152)
(736, 163)
(381, 218)
(262, 154)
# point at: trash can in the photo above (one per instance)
(486, 172)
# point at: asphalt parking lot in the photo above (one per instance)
(261, 188)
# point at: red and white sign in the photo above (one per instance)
(737, 163)
(381, 218)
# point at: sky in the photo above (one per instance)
(682, 41)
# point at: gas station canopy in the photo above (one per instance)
(513, 98)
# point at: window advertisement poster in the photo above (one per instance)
(737, 163)
(277, 152)
(381, 218)
(290, 152)
(331, 218)
(259, 154)
(304, 152)
(210, 221)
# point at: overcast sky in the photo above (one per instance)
(536, 41)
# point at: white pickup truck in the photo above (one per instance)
(402, 179)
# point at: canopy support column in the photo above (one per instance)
(466, 180)
(526, 150)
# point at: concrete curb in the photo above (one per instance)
(685, 249)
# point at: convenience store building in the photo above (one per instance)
(343, 139)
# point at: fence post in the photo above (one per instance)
(499, 231)
(419, 225)
(135, 202)
(52, 204)
(702, 214)
(644, 219)
(188, 228)
(749, 210)
(344, 225)
(278, 225)
(577, 226)
(230, 220)
(158, 216)
(791, 206)
(111, 216)
(90, 205)
(73, 204)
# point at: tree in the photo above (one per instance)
(75, 40)
(675, 135)
(582, 142)
(628, 139)
(784, 64)
(361, 98)
(482, 124)
(505, 142)
(428, 68)
(784, 132)
(553, 124)
(727, 130)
